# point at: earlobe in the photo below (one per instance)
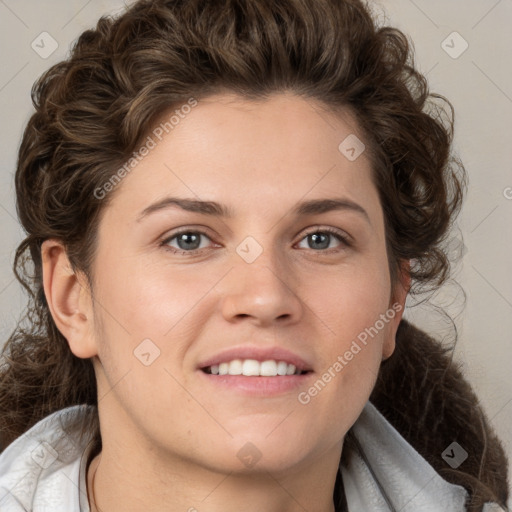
(397, 307)
(68, 298)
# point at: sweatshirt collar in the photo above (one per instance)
(45, 469)
(382, 472)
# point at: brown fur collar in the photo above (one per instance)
(423, 394)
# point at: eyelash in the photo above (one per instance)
(331, 231)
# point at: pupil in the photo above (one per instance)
(315, 237)
(188, 241)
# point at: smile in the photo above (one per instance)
(253, 368)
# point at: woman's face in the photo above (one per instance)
(248, 281)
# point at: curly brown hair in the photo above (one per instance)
(93, 109)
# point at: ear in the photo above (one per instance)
(69, 299)
(396, 308)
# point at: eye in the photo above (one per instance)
(187, 241)
(320, 239)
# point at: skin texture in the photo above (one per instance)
(170, 436)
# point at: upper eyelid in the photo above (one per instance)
(201, 230)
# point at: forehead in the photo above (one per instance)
(250, 154)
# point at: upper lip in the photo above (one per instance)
(258, 354)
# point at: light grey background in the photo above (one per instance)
(478, 82)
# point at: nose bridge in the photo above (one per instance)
(260, 284)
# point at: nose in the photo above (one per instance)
(263, 291)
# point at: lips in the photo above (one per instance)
(254, 361)
(262, 372)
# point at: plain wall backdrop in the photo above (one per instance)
(464, 48)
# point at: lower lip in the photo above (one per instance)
(258, 386)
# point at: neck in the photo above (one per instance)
(115, 486)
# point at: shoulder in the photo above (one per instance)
(40, 470)
(422, 392)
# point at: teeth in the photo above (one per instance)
(253, 368)
(282, 367)
(268, 368)
(250, 367)
(290, 370)
(235, 367)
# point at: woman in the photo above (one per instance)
(226, 206)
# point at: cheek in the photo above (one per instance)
(349, 299)
(150, 315)
(149, 300)
(351, 351)
(349, 304)
(146, 321)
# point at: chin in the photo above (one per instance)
(268, 451)
(250, 461)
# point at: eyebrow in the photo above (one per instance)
(312, 207)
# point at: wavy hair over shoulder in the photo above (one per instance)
(93, 109)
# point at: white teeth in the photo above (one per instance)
(251, 367)
(235, 367)
(281, 368)
(268, 368)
